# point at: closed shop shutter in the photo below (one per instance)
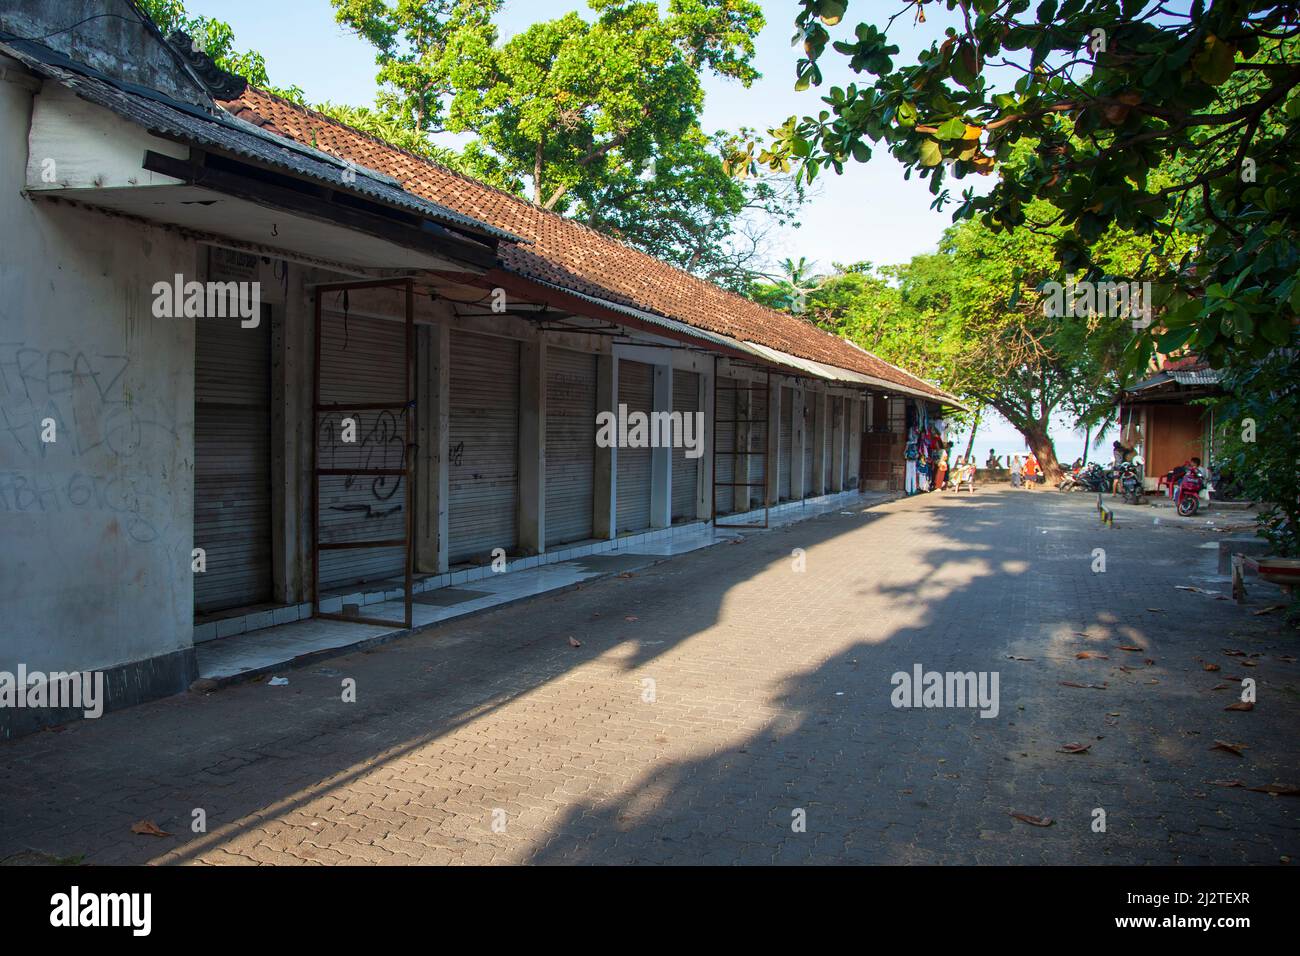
(362, 360)
(686, 400)
(809, 445)
(484, 456)
(724, 437)
(636, 391)
(842, 411)
(570, 445)
(787, 442)
(232, 463)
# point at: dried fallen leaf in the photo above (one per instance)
(1220, 687)
(1089, 655)
(626, 574)
(574, 642)
(1034, 821)
(149, 828)
(1131, 647)
(1070, 683)
(1150, 662)
(629, 618)
(1234, 749)
(1228, 783)
(1269, 610)
(1074, 748)
(1211, 667)
(1012, 657)
(1241, 705)
(1248, 663)
(1156, 610)
(1233, 653)
(1278, 789)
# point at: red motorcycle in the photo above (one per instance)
(1187, 493)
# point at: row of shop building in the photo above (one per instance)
(406, 381)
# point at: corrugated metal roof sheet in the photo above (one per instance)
(1203, 376)
(218, 130)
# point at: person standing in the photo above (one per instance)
(941, 471)
(1016, 478)
(1030, 470)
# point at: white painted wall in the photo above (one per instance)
(95, 529)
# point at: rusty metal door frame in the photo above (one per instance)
(734, 452)
(407, 470)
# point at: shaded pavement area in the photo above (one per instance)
(733, 705)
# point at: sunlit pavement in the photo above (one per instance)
(726, 707)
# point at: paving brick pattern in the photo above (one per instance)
(717, 698)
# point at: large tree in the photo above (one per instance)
(974, 316)
(1108, 91)
(597, 118)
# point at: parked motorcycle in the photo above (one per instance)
(1091, 477)
(1189, 492)
(1131, 484)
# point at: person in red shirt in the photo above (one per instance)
(1031, 470)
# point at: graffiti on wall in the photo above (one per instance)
(80, 400)
(379, 443)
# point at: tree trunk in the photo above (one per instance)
(1040, 443)
(1087, 443)
(975, 426)
(537, 170)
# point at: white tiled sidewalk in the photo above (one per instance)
(269, 639)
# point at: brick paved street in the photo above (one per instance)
(771, 693)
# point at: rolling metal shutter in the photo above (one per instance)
(724, 437)
(570, 445)
(636, 391)
(362, 360)
(484, 457)
(787, 443)
(232, 463)
(837, 436)
(809, 444)
(686, 471)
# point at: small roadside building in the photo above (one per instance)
(1161, 418)
(257, 367)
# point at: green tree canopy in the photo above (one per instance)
(1109, 92)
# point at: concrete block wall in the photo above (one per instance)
(97, 525)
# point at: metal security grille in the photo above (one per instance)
(636, 391)
(483, 459)
(787, 443)
(570, 445)
(686, 471)
(724, 436)
(362, 360)
(232, 463)
(809, 444)
(364, 375)
(751, 453)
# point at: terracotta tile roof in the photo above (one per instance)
(570, 254)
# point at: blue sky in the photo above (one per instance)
(870, 213)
